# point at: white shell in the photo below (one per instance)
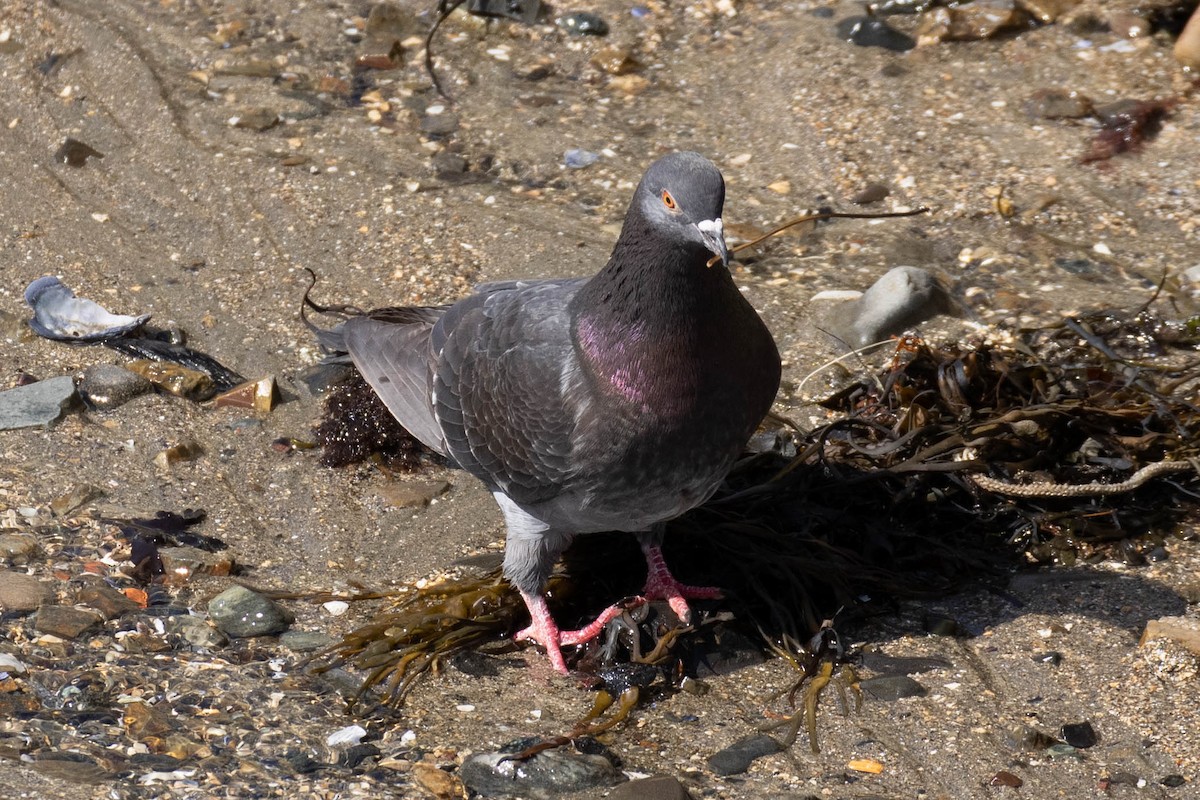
(59, 314)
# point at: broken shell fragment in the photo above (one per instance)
(59, 314)
(260, 395)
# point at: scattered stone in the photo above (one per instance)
(184, 451)
(179, 381)
(576, 158)
(260, 395)
(738, 757)
(75, 499)
(1005, 778)
(75, 153)
(106, 600)
(196, 632)
(871, 193)
(40, 403)
(872, 31)
(448, 165)
(437, 126)
(903, 297)
(660, 787)
(16, 548)
(104, 387)
(581, 23)
(65, 622)
(1058, 104)
(10, 664)
(241, 613)
(184, 562)
(889, 688)
(1184, 631)
(1080, 734)
(544, 776)
(255, 119)
(21, 593)
(412, 494)
(1173, 781)
(1047, 11)
(439, 783)
(615, 60)
(305, 641)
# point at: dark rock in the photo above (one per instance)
(75, 153)
(544, 776)
(1173, 781)
(660, 787)
(106, 600)
(1005, 778)
(447, 164)
(354, 755)
(1058, 104)
(1080, 734)
(36, 404)
(21, 593)
(305, 641)
(874, 32)
(239, 612)
(738, 757)
(107, 386)
(185, 562)
(892, 687)
(64, 621)
(438, 125)
(581, 23)
(871, 193)
(1052, 657)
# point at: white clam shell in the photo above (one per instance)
(59, 314)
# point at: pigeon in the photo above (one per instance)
(610, 403)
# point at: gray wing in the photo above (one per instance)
(391, 348)
(504, 362)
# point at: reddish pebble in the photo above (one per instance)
(1005, 778)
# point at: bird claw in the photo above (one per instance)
(661, 585)
(543, 630)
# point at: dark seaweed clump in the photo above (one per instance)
(356, 426)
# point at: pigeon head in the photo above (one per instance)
(681, 196)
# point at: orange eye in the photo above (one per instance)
(668, 200)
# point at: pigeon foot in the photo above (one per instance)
(544, 631)
(661, 585)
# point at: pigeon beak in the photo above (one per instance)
(712, 233)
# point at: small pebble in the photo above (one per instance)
(547, 774)
(1005, 778)
(576, 158)
(889, 688)
(1080, 734)
(874, 32)
(104, 387)
(305, 641)
(581, 23)
(659, 787)
(738, 757)
(21, 593)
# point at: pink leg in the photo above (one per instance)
(543, 630)
(661, 585)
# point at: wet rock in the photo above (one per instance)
(16, 548)
(1080, 734)
(581, 23)
(1005, 778)
(21, 593)
(544, 776)
(106, 600)
(1184, 631)
(874, 32)
(65, 622)
(1128, 25)
(448, 165)
(941, 625)
(305, 641)
(241, 613)
(175, 379)
(438, 125)
(738, 757)
(1058, 104)
(197, 632)
(413, 494)
(437, 782)
(1173, 781)
(40, 403)
(660, 787)
(79, 496)
(255, 119)
(615, 61)
(183, 562)
(1051, 657)
(889, 688)
(12, 665)
(75, 153)
(1187, 46)
(871, 193)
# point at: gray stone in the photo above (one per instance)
(106, 386)
(546, 775)
(902, 298)
(437, 125)
(305, 641)
(36, 404)
(892, 687)
(197, 632)
(21, 593)
(65, 622)
(738, 757)
(241, 613)
(660, 787)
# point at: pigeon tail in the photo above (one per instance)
(661, 584)
(543, 630)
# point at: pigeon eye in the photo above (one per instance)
(668, 200)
